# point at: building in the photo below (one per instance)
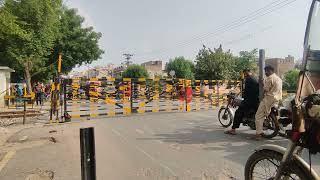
(281, 65)
(5, 80)
(117, 71)
(104, 71)
(96, 72)
(154, 68)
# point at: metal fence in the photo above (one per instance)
(109, 97)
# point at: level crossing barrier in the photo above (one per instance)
(110, 97)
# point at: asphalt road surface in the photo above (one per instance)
(169, 146)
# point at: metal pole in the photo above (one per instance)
(88, 159)
(24, 111)
(131, 94)
(65, 99)
(218, 94)
(261, 71)
(185, 94)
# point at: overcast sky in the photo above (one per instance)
(163, 29)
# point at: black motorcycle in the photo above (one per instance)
(226, 116)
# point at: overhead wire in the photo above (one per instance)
(269, 8)
(275, 5)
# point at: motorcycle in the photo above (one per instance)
(278, 162)
(226, 116)
(285, 119)
(281, 163)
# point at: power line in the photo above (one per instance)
(243, 20)
(271, 7)
(275, 5)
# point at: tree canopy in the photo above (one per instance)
(183, 68)
(219, 64)
(135, 71)
(34, 32)
(216, 64)
(246, 59)
(291, 79)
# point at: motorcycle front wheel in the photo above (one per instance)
(225, 117)
(264, 164)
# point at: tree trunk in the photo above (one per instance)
(27, 76)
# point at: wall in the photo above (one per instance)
(153, 68)
(4, 85)
(281, 65)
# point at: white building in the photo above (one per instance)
(5, 79)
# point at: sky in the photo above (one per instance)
(164, 29)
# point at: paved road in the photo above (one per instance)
(153, 146)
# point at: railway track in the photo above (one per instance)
(17, 114)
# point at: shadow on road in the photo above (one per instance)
(236, 148)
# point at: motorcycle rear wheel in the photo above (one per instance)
(266, 158)
(225, 117)
(271, 127)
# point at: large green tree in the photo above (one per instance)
(246, 59)
(36, 25)
(182, 67)
(77, 44)
(217, 64)
(291, 79)
(135, 71)
(34, 32)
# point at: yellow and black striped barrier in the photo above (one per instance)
(110, 97)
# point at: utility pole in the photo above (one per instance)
(127, 56)
(261, 71)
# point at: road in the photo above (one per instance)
(155, 146)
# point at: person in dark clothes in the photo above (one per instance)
(38, 90)
(250, 100)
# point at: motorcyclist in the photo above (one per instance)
(272, 91)
(250, 100)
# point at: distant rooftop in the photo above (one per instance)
(5, 68)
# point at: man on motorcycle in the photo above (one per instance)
(272, 91)
(250, 100)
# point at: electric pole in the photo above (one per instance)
(127, 56)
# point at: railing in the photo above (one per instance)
(97, 97)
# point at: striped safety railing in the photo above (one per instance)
(110, 97)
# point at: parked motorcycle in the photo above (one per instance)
(275, 162)
(226, 116)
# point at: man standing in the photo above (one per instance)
(250, 102)
(272, 91)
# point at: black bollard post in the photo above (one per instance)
(88, 159)
(24, 111)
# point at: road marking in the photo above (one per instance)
(6, 159)
(139, 131)
(144, 152)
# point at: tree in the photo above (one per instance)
(216, 64)
(34, 32)
(183, 68)
(135, 71)
(77, 44)
(246, 59)
(291, 79)
(36, 24)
